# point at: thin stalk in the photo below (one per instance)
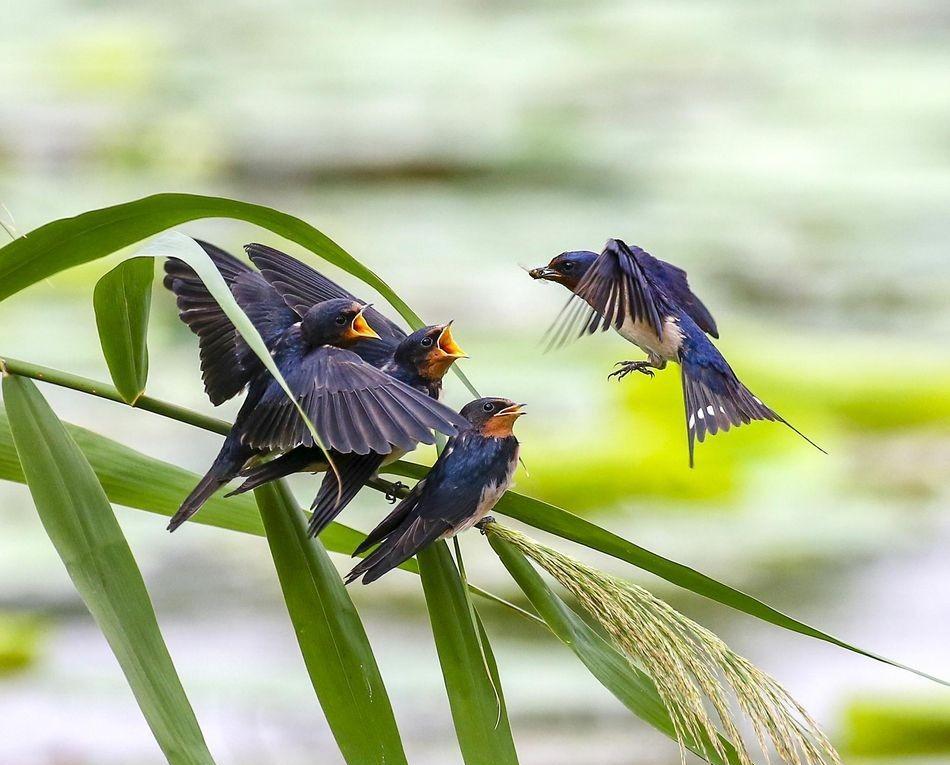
(108, 392)
(188, 417)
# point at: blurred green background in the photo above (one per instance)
(794, 157)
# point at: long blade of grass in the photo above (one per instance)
(69, 242)
(332, 640)
(122, 300)
(77, 517)
(561, 523)
(535, 513)
(632, 687)
(134, 480)
(471, 678)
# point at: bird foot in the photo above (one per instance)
(626, 367)
(392, 496)
(482, 525)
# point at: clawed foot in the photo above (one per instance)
(392, 496)
(482, 525)
(626, 367)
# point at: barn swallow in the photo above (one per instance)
(650, 304)
(473, 472)
(419, 360)
(354, 407)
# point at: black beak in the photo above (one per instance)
(541, 272)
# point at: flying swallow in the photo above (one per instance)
(354, 407)
(650, 304)
(473, 472)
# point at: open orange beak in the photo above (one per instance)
(360, 328)
(514, 411)
(448, 346)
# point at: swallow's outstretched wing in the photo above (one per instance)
(673, 280)
(615, 290)
(353, 406)
(227, 362)
(303, 287)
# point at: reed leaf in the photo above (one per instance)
(69, 242)
(80, 523)
(332, 640)
(468, 666)
(690, 666)
(122, 300)
(555, 520)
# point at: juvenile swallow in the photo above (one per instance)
(473, 472)
(419, 360)
(354, 407)
(650, 304)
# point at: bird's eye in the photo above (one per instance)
(341, 320)
(426, 342)
(489, 406)
(567, 266)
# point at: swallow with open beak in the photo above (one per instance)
(650, 304)
(354, 407)
(473, 472)
(420, 361)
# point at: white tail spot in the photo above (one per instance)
(699, 413)
(712, 412)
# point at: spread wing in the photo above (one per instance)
(353, 406)
(673, 280)
(302, 287)
(227, 363)
(615, 290)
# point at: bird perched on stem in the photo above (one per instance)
(650, 304)
(419, 360)
(473, 472)
(354, 407)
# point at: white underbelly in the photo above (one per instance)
(488, 499)
(642, 335)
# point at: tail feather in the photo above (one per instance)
(226, 466)
(716, 400)
(336, 493)
(300, 460)
(399, 547)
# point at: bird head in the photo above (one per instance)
(493, 417)
(337, 322)
(430, 351)
(568, 268)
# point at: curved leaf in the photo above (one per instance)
(122, 300)
(631, 686)
(561, 523)
(471, 679)
(331, 636)
(78, 518)
(69, 242)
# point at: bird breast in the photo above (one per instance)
(642, 335)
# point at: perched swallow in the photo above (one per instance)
(649, 303)
(419, 360)
(471, 475)
(354, 407)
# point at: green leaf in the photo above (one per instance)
(69, 242)
(630, 685)
(471, 680)
(77, 517)
(134, 480)
(331, 636)
(561, 523)
(122, 300)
